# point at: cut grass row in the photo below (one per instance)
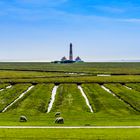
(9, 95)
(105, 103)
(34, 102)
(131, 97)
(69, 100)
(135, 86)
(3, 86)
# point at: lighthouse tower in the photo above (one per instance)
(71, 53)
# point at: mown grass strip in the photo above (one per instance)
(3, 86)
(35, 101)
(135, 86)
(131, 97)
(104, 102)
(118, 97)
(86, 99)
(7, 96)
(16, 100)
(69, 100)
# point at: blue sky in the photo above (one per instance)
(41, 30)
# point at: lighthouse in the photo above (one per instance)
(71, 53)
(70, 59)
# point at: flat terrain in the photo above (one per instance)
(108, 110)
(112, 90)
(92, 67)
(70, 134)
(69, 73)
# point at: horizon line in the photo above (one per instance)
(28, 61)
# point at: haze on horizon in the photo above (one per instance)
(41, 30)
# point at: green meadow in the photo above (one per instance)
(122, 108)
(69, 134)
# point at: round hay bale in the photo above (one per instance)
(57, 114)
(59, 120)
(23, 119)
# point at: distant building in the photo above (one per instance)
(78, 59)
(64, 58)
(70, 60)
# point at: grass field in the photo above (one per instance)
(69, 134)
(3, 86)
(77, 79)
(108, 109)
(5, 74)
(105, 103)
(134, 86)
(35, 102)
(9, 95)
(69, 100)
(94, 68)
(131, 97)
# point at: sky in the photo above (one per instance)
(41, 30)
